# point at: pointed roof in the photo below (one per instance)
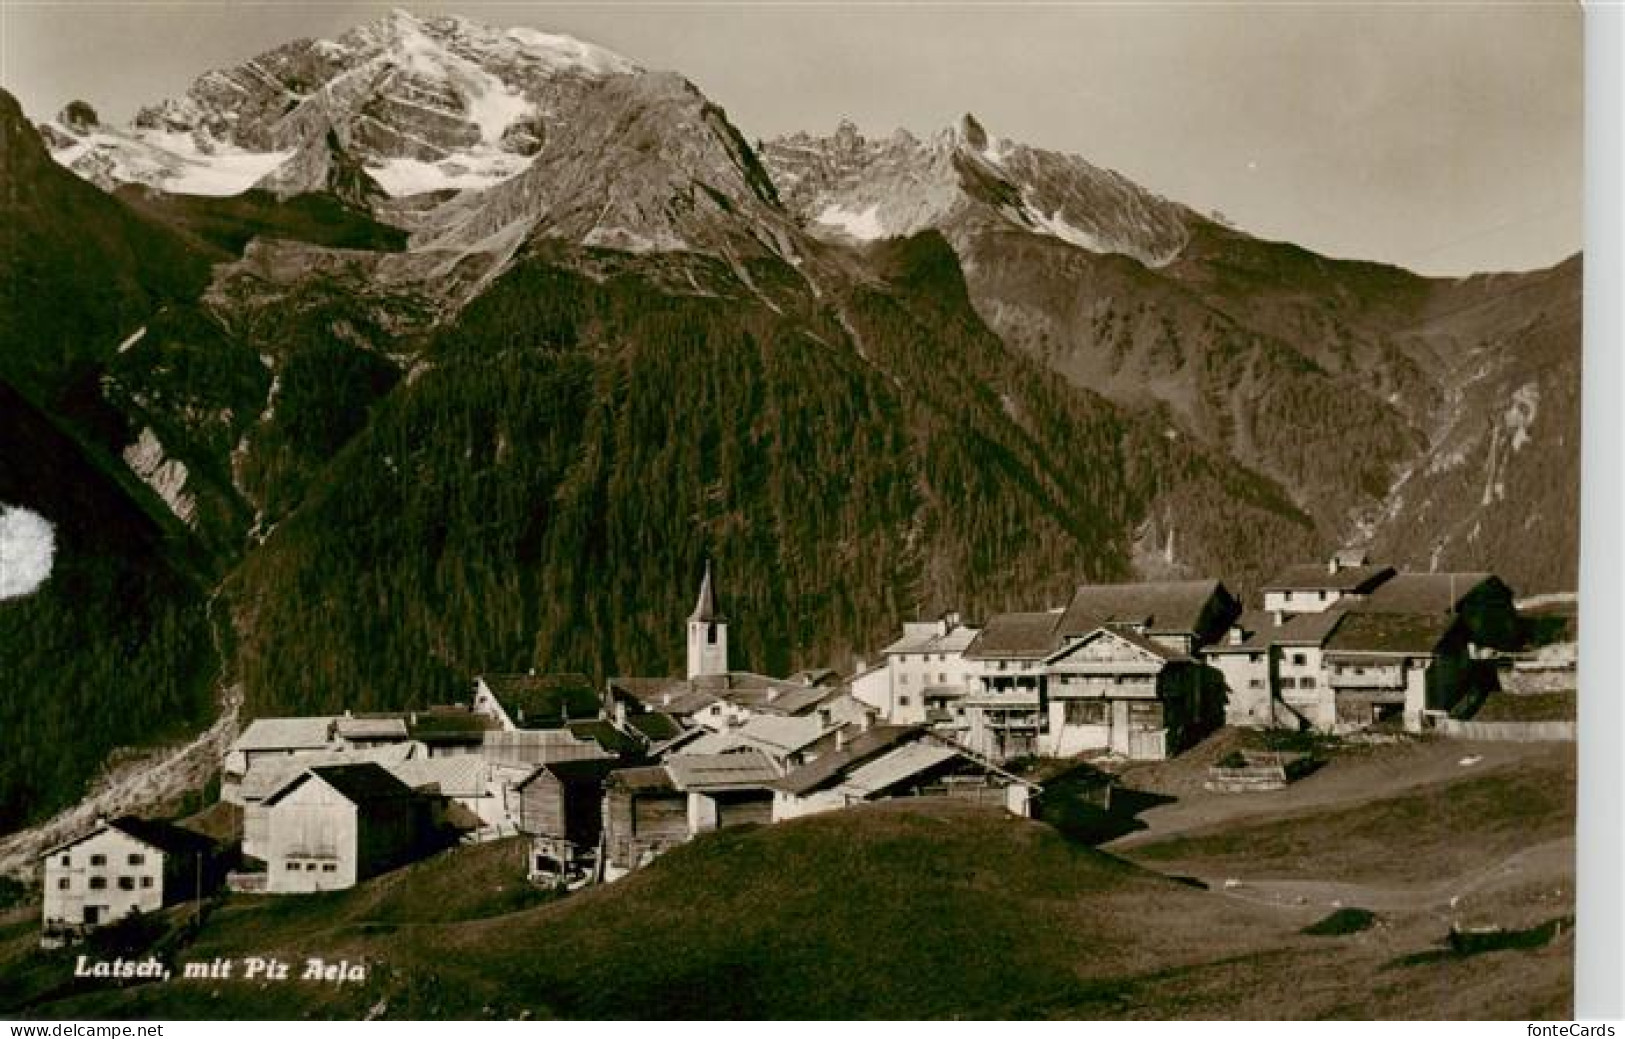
(705, 607)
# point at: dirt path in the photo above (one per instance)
(1551, 861)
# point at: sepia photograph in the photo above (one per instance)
(811, 511)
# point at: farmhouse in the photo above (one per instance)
(1272, 664)
(923, 675)
(896, 761)
(332, 826)
(1383, 664)
(532, 701)
(1346, 578)
(123, 866)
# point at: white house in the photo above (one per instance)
(1346, 578)
(923, 676)
(120, 867)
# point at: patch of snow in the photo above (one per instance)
(1056, 226)
(864, 226)
(629, 241)
(222, 175)
(134, 338)
(27, 549)
(1521, 412)
(166, 476)
(1470, 760)
(401, 177)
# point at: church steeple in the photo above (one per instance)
(705, 607)
(707, 632)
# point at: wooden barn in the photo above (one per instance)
(561, 807)
(335, 825)
(644, 814)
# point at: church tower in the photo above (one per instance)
(707, 633)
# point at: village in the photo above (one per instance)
(599, 781)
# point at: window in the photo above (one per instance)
(1300, 659)
(146, 882)
(1289, 683)
(902, 701)
(98, 883)
(328, 867)
(710, 634)
(137, 859)
(1086, 712)
(1287, 597)
(67, 861)
(1255, 683)
(291, 867)
(1306, 682)
(98, 860)
(942, 678)
(63, 884)
(126, 883)
(1255, 658)
(903, 679)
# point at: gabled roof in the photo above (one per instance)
(897, 766)
(588, 772)
(780, 735)
(607, 736)
(800, 701)
(461, 775)
(1299, 629)
(1149, 646)
(1390, 633)
(655, 726)
(160, 836)
(646, 778)
(1424, 593)
(1016, 635)
(287, 733)
(675, 696)
(442, 725)
(930, 639)
(741, 770)
(372, 727)
(1163, 607)
(828, 768)
(1315, 576)
(544, 701)
(268, 775)
(362, 785)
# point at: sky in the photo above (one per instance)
(1443, 137)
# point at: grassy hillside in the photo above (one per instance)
(909, 909)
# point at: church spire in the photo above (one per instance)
(705, 607)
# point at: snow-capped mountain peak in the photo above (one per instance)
(423, 103)
(964, 179)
